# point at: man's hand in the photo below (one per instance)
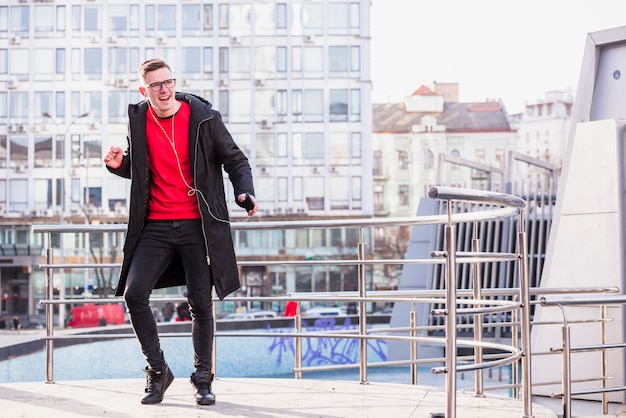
(113, 157)
(251, 206)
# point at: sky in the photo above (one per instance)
(511, 50)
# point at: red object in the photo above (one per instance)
(92, 315)
(291, 308)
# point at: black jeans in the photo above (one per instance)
(159, 243)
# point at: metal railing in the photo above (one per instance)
(567, 349)
(517, 351)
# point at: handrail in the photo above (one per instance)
(482, 215)
(513, 206)
(567, 349)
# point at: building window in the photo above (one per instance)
(378, 163)
(480, 156)
(403, 195)
(18, 195)
(355, 18)
(355, 105)
(312, 19)
(313, 105)
(117, 106)
(3, 162)
(281, 18)
(223, 63)
(93, 22)
(19, 63)
(118, 19)
(340, 193)
(429, 160)
(265, 149)
(281, 62)
(223, 16)
(118, 61)
(338, 19)
(338, 61)
(59, 67)
(4, 65)
(18, 151)
(44, 64)
(207, 62)
(60, 19)
(166, 19)
(355, 146)
(264, 63)
(339, 144)
(500, 158)
(314, 192)
(379, 199)
(314, 148)
(44, 19)
(403, 159)
(313, 61)
(20, 21)
(190, 19)
(93, 63)
(355, 61)
(3, 104)
(191, 62)
(338, 108)
(456, 154)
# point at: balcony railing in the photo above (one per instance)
(448, 301)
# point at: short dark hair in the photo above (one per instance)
(152, 64)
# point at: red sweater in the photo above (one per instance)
(168, 159)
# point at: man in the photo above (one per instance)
(178, 228)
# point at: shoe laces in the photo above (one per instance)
(153, 379)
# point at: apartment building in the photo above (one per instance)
(290, 78)
(432, 138)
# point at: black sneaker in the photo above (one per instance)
(157, 382)
(202, 390)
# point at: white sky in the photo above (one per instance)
(498, 49)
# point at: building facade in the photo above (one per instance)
(290, 78)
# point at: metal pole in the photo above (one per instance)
(49, 314)
(567, 378)
(605, 364)
(298, 348)
(451, 319)
(525, 320)
(362, 312)
(413, 334)
(478, 318)
(515, 367)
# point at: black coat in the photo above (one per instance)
(211, 147)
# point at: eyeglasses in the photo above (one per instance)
(157, 86)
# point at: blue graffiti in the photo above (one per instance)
(325, 351)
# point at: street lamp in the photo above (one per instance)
(61, 245)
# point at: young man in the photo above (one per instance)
(178, 228)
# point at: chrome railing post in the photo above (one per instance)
(478, 318)
(515, 367)
(524, 286)
(605, 363)
(450, 279)
(567, 376)
(362, 311)
(298, 348)
(413, 345)
(49, 314)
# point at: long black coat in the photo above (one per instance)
(211, 147)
